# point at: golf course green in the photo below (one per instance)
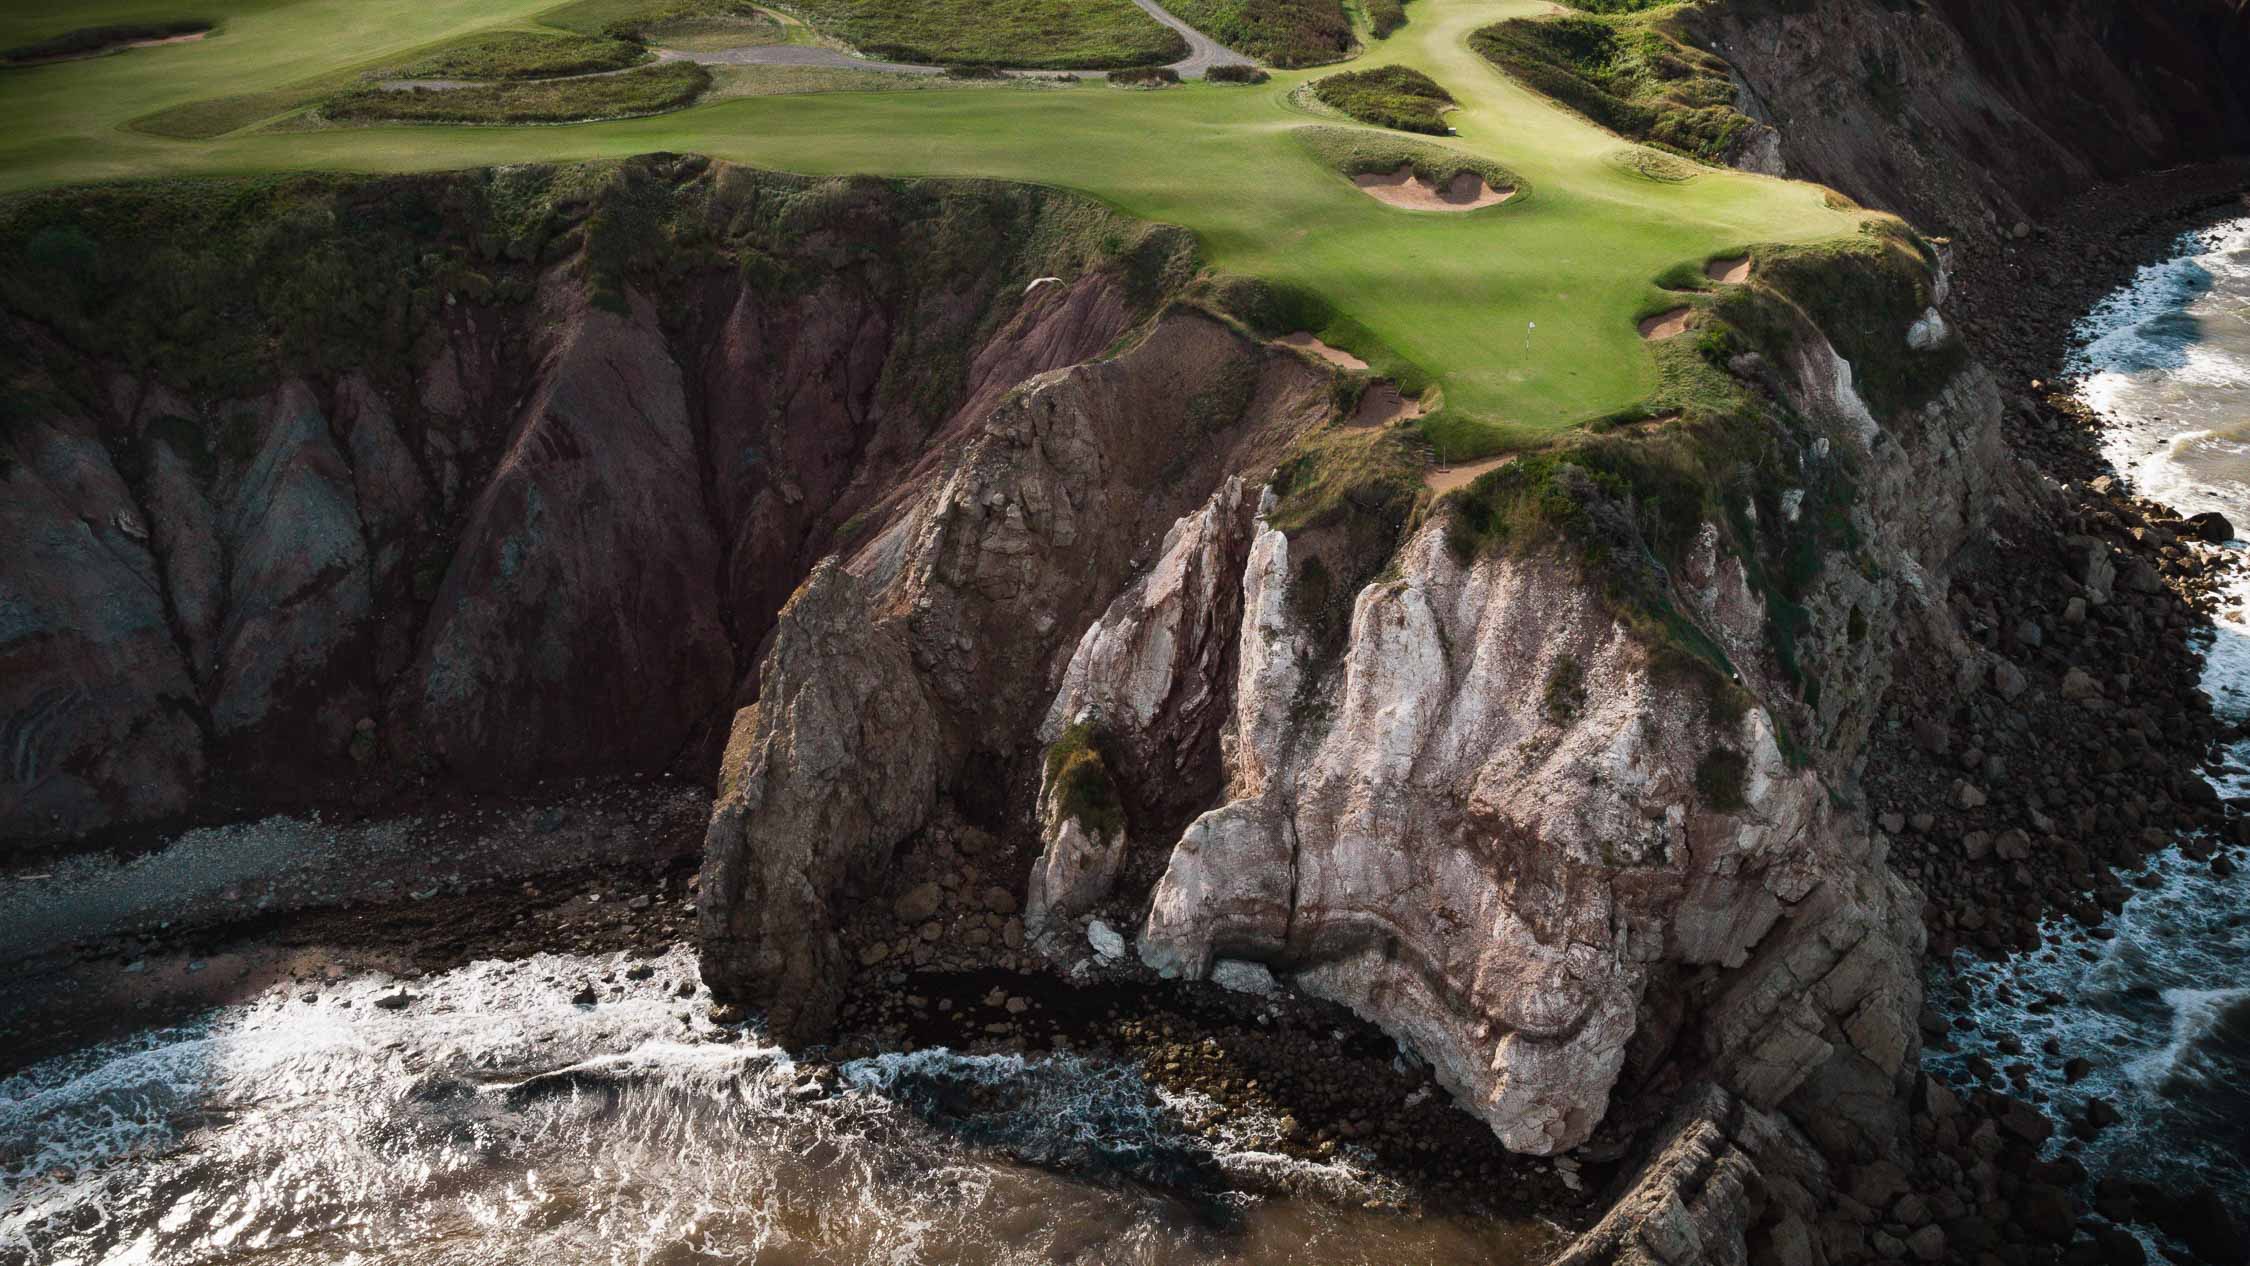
(1454, 294)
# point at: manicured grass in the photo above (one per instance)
(1388, 96)
(1039, 34)
(1277, 32)
(1631, 74)
(522, 55)
(88, 40)
(1448, 297)
(647, 90)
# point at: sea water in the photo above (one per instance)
(491, 1118)
(2162, 1009)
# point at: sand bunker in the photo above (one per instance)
(1729, 272)
(1402, 188)
(1444, 479)
(1333, 355)
(1666, 325)
(104, 50)
(1382, 404)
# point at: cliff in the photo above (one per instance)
(1969, 117)
(318, 490)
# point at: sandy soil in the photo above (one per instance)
(1729, 272)
(1441, 480)
(1305, 342)
(1666, 325)
(1382, 404)
(1402, 188)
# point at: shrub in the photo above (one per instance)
(1632, 75)
(649, 90)
(1237, 73)
(974, 72)
(520, 55)
(1145, 77)
(1281, 33)
(1385, 16)
(1028, 34)
(1389, 96)
(1079, 779)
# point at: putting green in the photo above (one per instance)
(1455, 293)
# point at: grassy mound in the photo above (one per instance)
(1389, 96)
(1353, 152)
(1633, 74)
(1277, 32)
(649, 90)
(1035, 34)
(521, 55)
(89, 40)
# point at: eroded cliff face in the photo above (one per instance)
(919, 665)
(549, 536)
(1501, 820)
(1971, 116)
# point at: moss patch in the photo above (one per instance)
(1078, 777)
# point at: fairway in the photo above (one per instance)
(1455, 294)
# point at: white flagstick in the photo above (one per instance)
(1527, 329)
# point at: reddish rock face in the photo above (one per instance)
(550, 543)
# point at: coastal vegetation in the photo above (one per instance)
(1284, 33)
(1398, 97)
(1036, 34)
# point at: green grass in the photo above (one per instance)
(1286, 33)
(1447, 296)
(1037, 34)
(1398, 97)
(647, 90)
(1633, 74)
(522, 55)
(86, 41)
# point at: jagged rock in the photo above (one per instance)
(1108, 943)
(841, 746)
(1242, 976)
(945, 623)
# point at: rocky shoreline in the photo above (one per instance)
(2029, 777)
